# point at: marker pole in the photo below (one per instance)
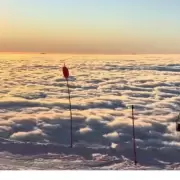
(134, 141)
(70, 110)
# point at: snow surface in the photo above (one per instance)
(34, 115)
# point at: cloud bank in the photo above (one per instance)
(34, 105)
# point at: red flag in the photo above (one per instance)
(65, 72)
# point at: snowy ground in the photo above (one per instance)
(34, 109)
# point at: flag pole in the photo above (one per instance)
(134, 139)
(66, 76)
(70, 110)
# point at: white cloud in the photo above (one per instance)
(114, 136)
(34, 103)
(35, 135)
(85, 130)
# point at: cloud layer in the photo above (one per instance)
(34, 102)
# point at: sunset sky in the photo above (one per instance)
(94, 26)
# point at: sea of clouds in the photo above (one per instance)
(34, 103)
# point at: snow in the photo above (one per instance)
(34, 111)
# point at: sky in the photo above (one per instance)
(79, 26)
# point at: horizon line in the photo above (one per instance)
(70, 53)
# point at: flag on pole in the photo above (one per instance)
(66, 76)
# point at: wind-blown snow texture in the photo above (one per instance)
(34, 107)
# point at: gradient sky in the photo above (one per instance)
(92, 26)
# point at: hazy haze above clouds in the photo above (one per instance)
(109, 27)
